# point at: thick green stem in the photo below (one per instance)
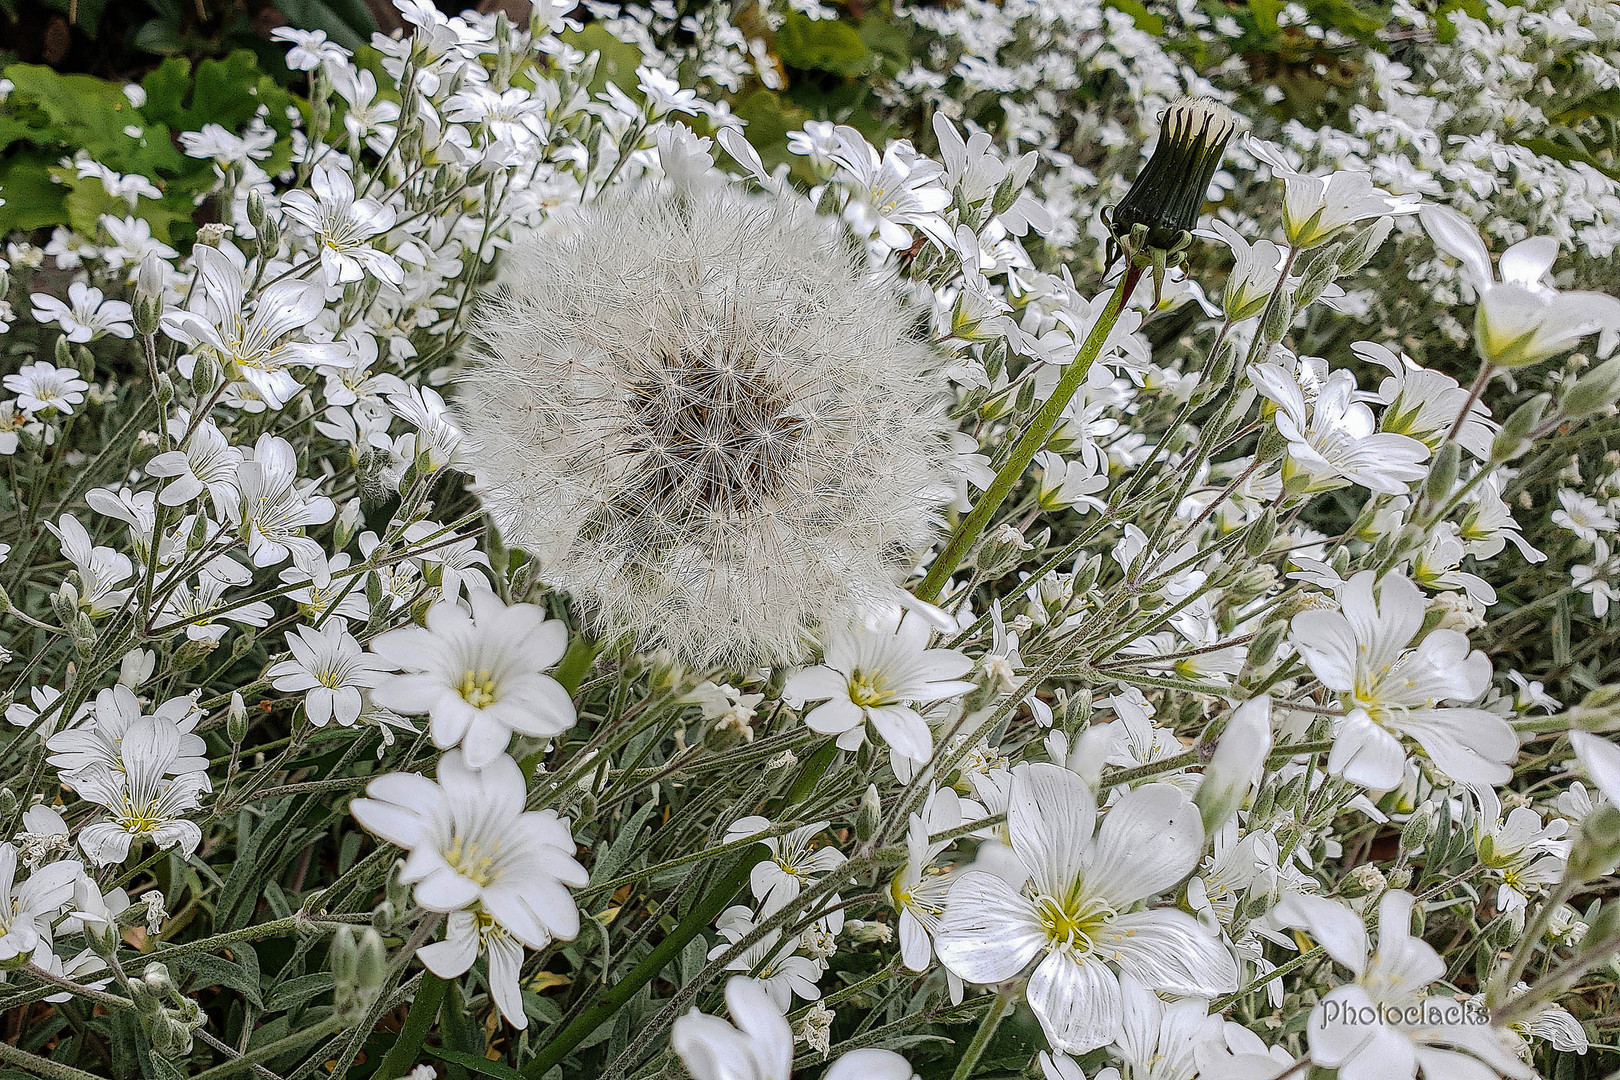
(1035, 436)
(662, 955)
(576, 662)
(982, 1037)
(424, 1010)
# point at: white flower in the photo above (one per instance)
(343, 226)
(918, 889)
(1601, 759)
(40, 386)
(474, 849)
(1318, 208)
(1075, 906)
(1424, 404)
(28, 909)
(669, 418)
(310, 48)
(439, 436)
(1519, 320)
(1384, 1026)
(1253, 276)
(257, 347)
(99, 744)
(794, 863)
(87, 315)
(207, 462)
(330, 665)
(772, 961)
(466, 934)
(145, 799)
(479, 676)
(760, 1046)
(1332, 436)
(1582, 515)
(101, 569)
(876, 672)
(1524, 854)
(273, 508)
(894, 191)
(1388, 691)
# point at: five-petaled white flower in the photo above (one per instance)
(330, 665)
(1388, 690)
(206, 462)
(1519, 320)
(478, 674)
(257, 348)
(1075, 903)
(86, 315)
(344, 227)
(877, 671)
(1318, 208)
(474, 849)
(144, 799)
(1385, 1025)
(1332, 436)
(40, 386)
(274, 506)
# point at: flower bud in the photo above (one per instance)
(1514, 438)
(1596, 851)
(236, 719)
(1279, 317)
(1161, 208)
(1258, 539)
(1415, 834)
(1360, 248)
(204, 375)
(1443, 474)
(870, 815)
(1594, 391)
(1239, 760)
(1318, 276)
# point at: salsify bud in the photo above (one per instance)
(1169, 191)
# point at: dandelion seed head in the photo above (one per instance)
(708, 420)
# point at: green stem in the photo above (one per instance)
(1034, 437)
(39, 1066)
(987, 1029)
(273, 1050)
(666, 951)
(424, 1010)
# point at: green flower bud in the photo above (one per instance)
(1594, 391)
(870, 815)
(1514, 438)
(1443, 474)
(1161, 208)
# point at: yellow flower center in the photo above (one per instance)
(471, 861)
(868, 688)
(477, 688)
(1073, 921)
